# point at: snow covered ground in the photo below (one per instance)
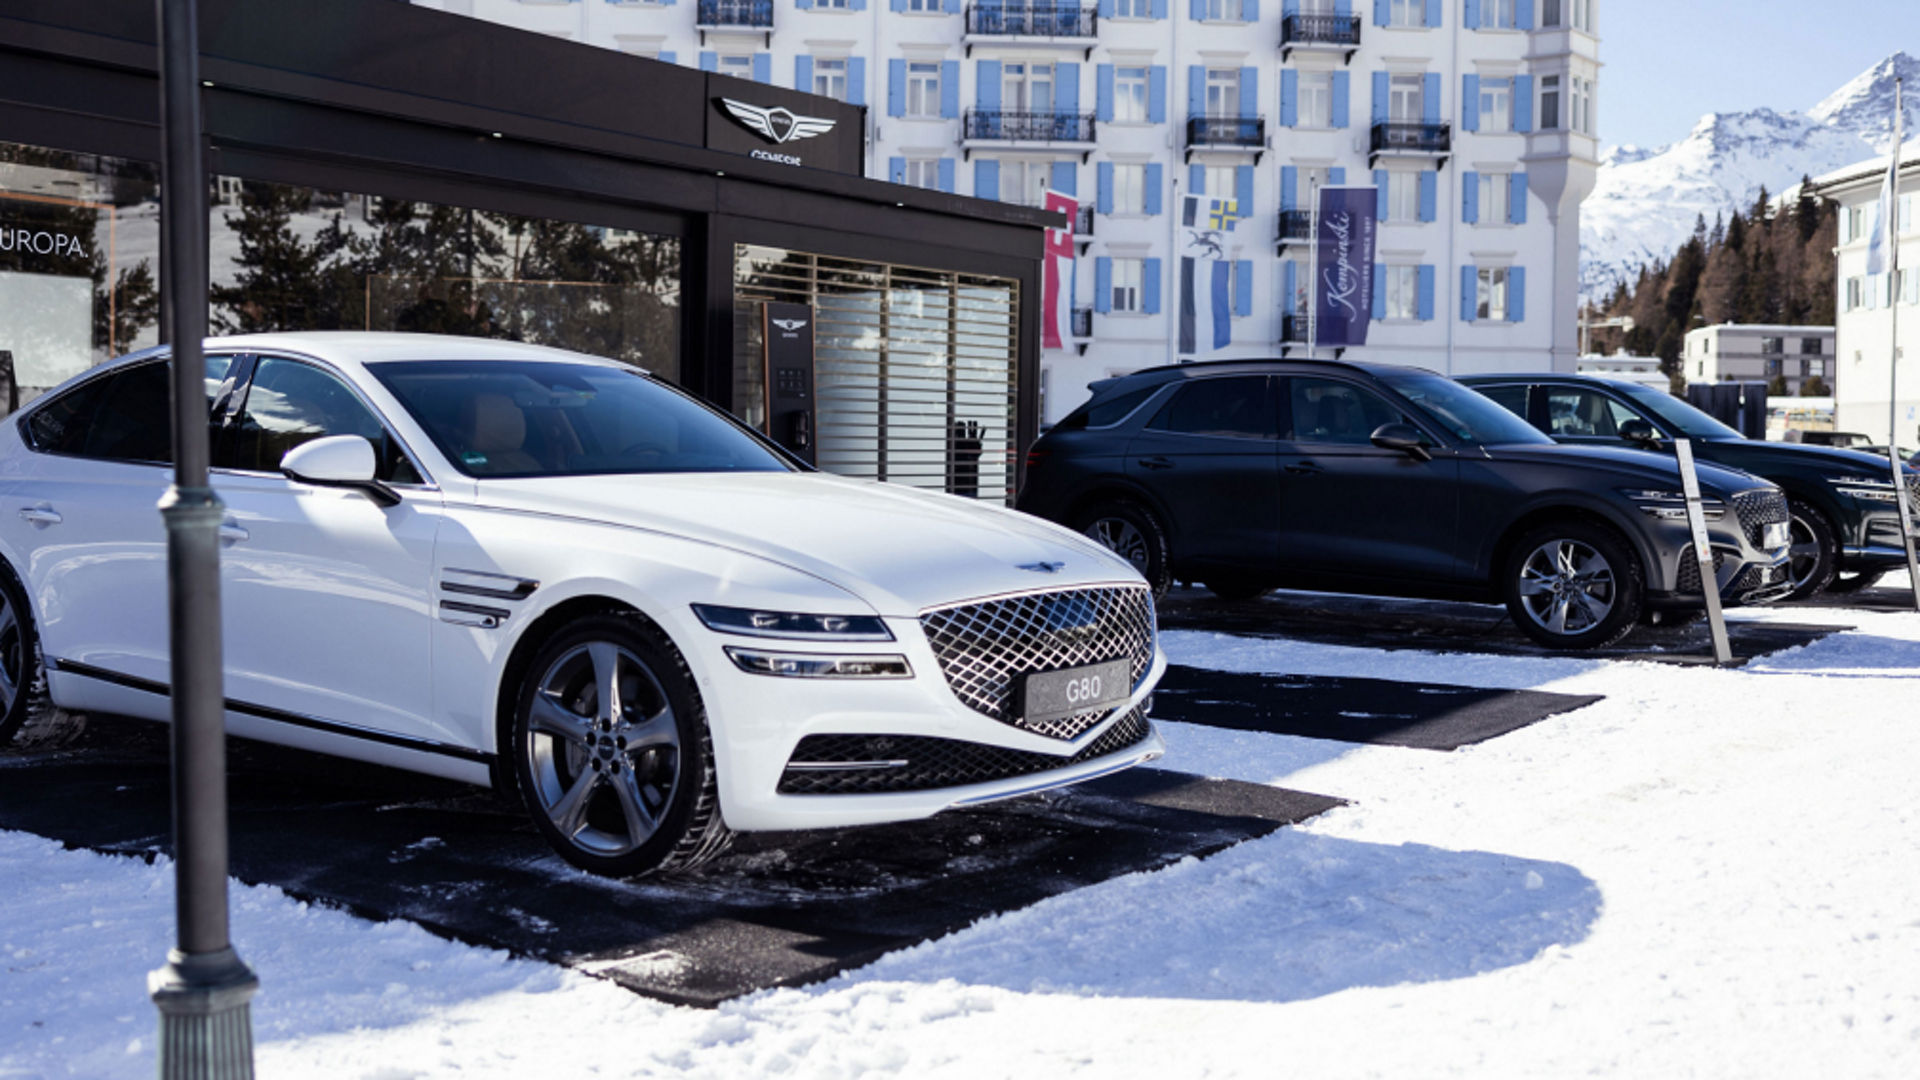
(1710, 873)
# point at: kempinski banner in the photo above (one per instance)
(1343, 279)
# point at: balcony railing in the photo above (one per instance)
(1024, 126)
(1295, 226)
(1250, 131)
(1033, 20)
(1082, 322)
(1294, 329)
(1083, 220)
(750, 14)
(1389, 138)
(1330, 31)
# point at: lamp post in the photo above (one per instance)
(206, 1030)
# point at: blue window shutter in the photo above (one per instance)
(1156, 184)
(1289, 98)
(1196, 90)
(897, 88)
(1289, 294)
(1469, 280)
(803, 5)
(1103, 182)
(1469, 103)
(1343, 8)
(1157, 94)
(1517, 293)
(1380, 98)
(1430, 98)
(1382, 12)
(1243, 287)
(1380, 186)
(1197, 10)
(1523, 103)
(1249, 92)
(1289, 8)
(1341, 97)
(1159, 9)
(1429, 195)
(1470, 14)
(1426, 292)
(709, 61)
(953, 7)
(1105, 8)
(946, 175)
(987, 80)
(1066, 88)
(986, 179)
(1289, 187)
(1250, 10)
(763, 68)
(1150, 287)
(1065, 178)
(1517, 200)
(1433, 13)
(1379, 290)
(1523, 15)
(1470, 197)
(859, 5)
(896, 5)
(856, 80)
(803, 74)
(1243, 190)
(897, 170)
(1337, 175)
(1196, 179)
(1103, 284)
(949, 86)
(1103, 93)
(666, 56)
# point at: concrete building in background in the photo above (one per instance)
(1754, 352)
(1475, 117)
(1863, 331)
(1627, 367)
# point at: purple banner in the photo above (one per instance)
(1343, 287)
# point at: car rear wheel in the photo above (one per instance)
(1573, 585)
(1812, 553)
(1132, 532)
(611, 751)
(20, 675)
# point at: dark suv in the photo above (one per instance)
(1254, 474)
(1846, 524)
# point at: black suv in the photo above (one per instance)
(1846, 524)
(1254, 474)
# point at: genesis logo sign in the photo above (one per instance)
(790, 325)
(776, 125)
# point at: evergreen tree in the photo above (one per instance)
(283, 281)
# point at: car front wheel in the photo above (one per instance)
(1573, 585)
(611, 751)
(1813, 551)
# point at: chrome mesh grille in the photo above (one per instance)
(1689, 581)
(924, 762)
(1757, 510)
(985, 648)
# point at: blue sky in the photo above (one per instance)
(1670, 61)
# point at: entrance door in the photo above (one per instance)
(1208, 457)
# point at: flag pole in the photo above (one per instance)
(1890, 222)
(1313, 262)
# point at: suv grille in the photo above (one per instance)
(984, 648)
(929, 762)
(1757, 510)
(1690, 569)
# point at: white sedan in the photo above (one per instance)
(562, 577)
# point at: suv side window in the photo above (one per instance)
(1575, 411)
(289, 403)
(1327, 411)
(1237, 406)
(124, 416)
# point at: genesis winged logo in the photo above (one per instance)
(1041, 567)
(776, 125)
(789, 325)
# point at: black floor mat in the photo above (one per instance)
(1427, 717)
(779, 910)
(1443, 626)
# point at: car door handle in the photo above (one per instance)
(1306, 468)
(231, 533)
(41, 515)
(1156, 463)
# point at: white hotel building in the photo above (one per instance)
(1475, 117)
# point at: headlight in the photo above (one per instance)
(1672, 505)
(787, 624)
(814, 666)
(1865, 488)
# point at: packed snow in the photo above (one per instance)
(1709, 873)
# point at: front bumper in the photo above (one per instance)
(1745, 573)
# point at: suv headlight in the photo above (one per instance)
(1672, 505)
(1865, 488)
(750, 622)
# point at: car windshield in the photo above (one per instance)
(538, 418)
(1465, 414)
(1679, 414)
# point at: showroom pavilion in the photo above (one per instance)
(383, 166)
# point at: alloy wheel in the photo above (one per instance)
(1803, 551)
(1567, 586)
(1119, 536)
(603, 748)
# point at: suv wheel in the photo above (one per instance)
(1813, 552)
(1573, 585)
(1132, 532)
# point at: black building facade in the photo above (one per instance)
(382, 166)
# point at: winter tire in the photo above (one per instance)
(1132, 532)
(611, 752)
(1573, 585)
(21, 680)
(1813, 554)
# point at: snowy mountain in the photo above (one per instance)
(1645, 202)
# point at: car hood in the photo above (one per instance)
(1842, 462)
(899, 549)
(1631, 464)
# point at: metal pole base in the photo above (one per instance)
(206, 1025)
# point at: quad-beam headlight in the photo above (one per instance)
(797, 626)
(1866, 488)
(815, 666)
(1672, 505)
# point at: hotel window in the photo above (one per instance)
(1407, 13)
(830, 78)
(1223, 92)
(1220, 182)
(1772, 346)
(1406, 98)
(1225, 10)
(1130, 95)
(1133, 9)
(1496, 105)
(1496, 198)
(1026, 87)
(923, 173)
(1856, 293)
(738, 65)
(1295, 303)
(1024, 182)
(1129, 189)
(1316, 99)
(1580, 118)
(1583, 16)
(1549, 14)
(923, 88)
(1853, 224)
(1126, 284)
(925, 7)
(1549, 102)
(1810, 346)
(1490, 295)
(1403, 196)
(1499, 13)
(1403, 292)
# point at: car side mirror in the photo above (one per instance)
(343, 461)
(1639, 431)
(1402, 437)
